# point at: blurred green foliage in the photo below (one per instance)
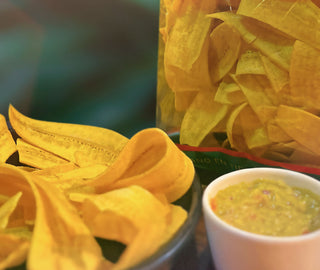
(89, 62)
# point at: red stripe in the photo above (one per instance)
(268, 162)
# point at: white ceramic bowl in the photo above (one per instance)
(235, 249)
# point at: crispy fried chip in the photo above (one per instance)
(250, 63)
(225, 45)
(104, 213)
(37, 157)
(256, 95)
(184, 99)
(229, 93)
(159, 166)
(7, 208)
(305, 75)
(266, 40)
(188, 32)
(13, 250)
(234, 130)
(299, 19)
(300, 125)
(59, 228)
(277, 76)
(186, 47)
(151, 238)
(254, 132)
(202, 116)
(99, 145)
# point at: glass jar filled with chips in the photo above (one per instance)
(239, 82)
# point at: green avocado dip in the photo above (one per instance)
(268, 207)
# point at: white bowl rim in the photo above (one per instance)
(249, 235)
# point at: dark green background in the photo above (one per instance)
(91, 62)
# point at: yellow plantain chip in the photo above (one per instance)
(229, 93)
(7, 143)
(22, 231)
(186, 45)
(301, 126)
(83, 173)
(7, 209)
(58, 227)
(277, 76)
(299, 19)
(3, 199)
(145, 243)
(305, 75)
(194, 79)
(188, 32)
(169, 116)
(250, 63)
(254, 90)
(100, 145)
(37, 157)
(225, 44)
(275, 133)
(234, 130)
(13, 250)
(132, 205)
(151, 238)
(151, 160)
(10, 185)
(175, 220)
(254, 132)
(184, 99)
(202, 116)
(261, 37)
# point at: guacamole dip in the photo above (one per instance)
(268, 207)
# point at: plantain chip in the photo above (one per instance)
(104, 213)
(254, 131)
(225, 44)
(266, 40)
(186, 46)
(299, 19)
(277, 76)
(250, 63)
(7, 208)
(59, 228)
(234, 129)
(229, 93)
(184, 99)
(159, 166)
(202, 116)
(37, 157)
(256, 95)
(305, 75)
(100, 145)
(188, 30)
(13, 250)
(194, 79)
(300, 125)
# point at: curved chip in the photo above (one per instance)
(97, 145)
(203, 115)
(225, 44)
(151, 160)
(305, 75)
(299, 19)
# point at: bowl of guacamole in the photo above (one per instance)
(263, 218)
